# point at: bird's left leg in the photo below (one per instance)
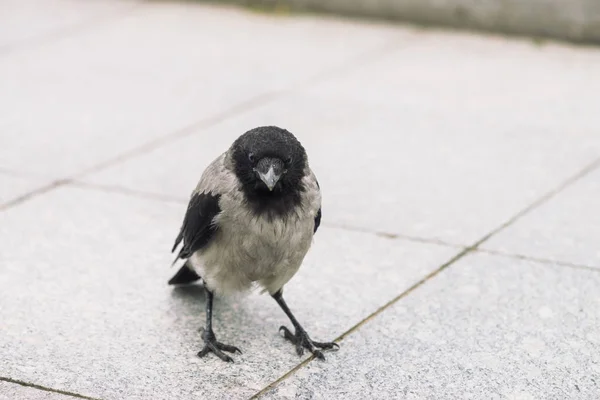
(300, 338)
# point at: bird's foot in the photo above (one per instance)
(212, 346)
(303, 341)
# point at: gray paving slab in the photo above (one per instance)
(487, 328)
(23, 21)
(462, 132)
(13, 391)
(12, 186)
(86, 308)
(93, 95)
(565, 229)
(445, 138)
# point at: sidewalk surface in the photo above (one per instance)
(459, 252)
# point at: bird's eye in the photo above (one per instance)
(251, 157)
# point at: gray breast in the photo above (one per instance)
(250, 248)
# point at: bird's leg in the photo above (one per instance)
(300, 338)
(210, 341)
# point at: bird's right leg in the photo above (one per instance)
(210, 341)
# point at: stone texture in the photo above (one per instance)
(487, 328)
(442, 136)
(12, 186)
(25, 21)
(86, 308)
(88, 97)
(445, 138)
(12, 391)
(566, 228)
(464, 132)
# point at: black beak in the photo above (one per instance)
(269, 170)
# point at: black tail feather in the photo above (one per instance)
(184, 276)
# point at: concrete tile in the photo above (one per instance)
(12, 391)
(24, 20)
(487, 328)
(456, 134)
(89, 97)
(12, 186)
(86, 307)
(410, 158)
(566, 228)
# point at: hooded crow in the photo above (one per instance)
(250, 221)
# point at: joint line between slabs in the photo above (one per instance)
(474, 247)
(46, 389)
(539, 260)
(34, 193)
(368, 318)
(366, 57)
(262, 99)
(180, 200)
(543, 199)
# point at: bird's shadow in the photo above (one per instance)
(188, 295)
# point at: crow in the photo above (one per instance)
(250, 222)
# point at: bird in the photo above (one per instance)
(249, 223)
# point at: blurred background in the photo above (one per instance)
(456, 143)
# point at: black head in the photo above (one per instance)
(270, 163)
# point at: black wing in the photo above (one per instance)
(197, 228)
(318, 216)
(317, 220)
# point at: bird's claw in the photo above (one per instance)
(211, 345)
(303, 341)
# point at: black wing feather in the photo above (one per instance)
(185, 275)
(318, 216)
(198, 227)
(317, 220)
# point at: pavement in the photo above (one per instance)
(458, 255)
